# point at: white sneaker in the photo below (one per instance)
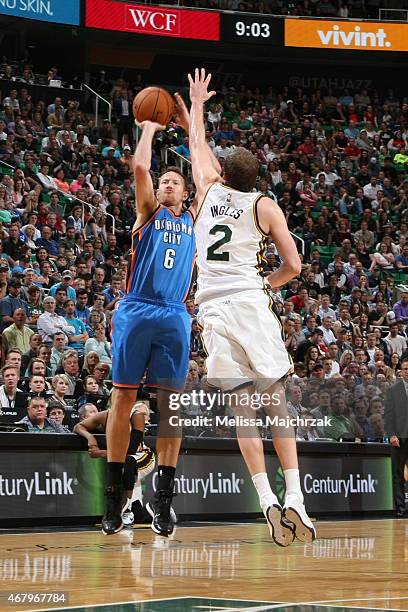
(128, 518)
(294, 512)
(281, 533)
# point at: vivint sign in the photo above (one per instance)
(156, 20)
(353, 35)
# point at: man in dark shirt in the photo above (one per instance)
(303, 347)
(47, 242)
(13, 246)
(36, 419)
(10, 303)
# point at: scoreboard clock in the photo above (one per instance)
(251, 29)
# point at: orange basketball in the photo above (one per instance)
(153, 104)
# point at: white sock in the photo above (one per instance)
(266, 495)
(137, 492)
(292, 481)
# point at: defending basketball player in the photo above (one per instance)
(241, 333)
(151, 329)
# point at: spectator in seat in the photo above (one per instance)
(11, 302)
(60, 299)
(80, 337)
(18, 334)
(44, 353)
(92, 394)
(113, 293)
(57, 413)
(65, 284)
(60, 387)
(35, 343)
(82, 311)
(341, 426)
(47, 241)
(70, 367)
(91, 360)
(99, 345)
(37, 420)
(50, 323)
(14, 358)
(57, 351)
(396, 344)
(294, 405)
(401, 308)
(101, 372)
(12, 399)
(37, 386)
(314, 340)
(13, 246)
(401, 261)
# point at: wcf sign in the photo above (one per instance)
(152, 20)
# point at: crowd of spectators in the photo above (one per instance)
(336, 163)
(358, 9)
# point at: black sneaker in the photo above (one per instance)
(112, 520)
(140, 514)
(159, 509)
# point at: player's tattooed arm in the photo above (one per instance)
(145, 196)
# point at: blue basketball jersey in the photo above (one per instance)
(163, 255)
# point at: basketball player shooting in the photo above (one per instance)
(241, 333)
(151, 329)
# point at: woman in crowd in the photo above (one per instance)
(60, 385)
(90, 361)
(91, 394)
(382, 258)
(60, 181)
(99, 344)
(29, 233)
(395, 363)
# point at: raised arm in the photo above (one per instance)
(182, 118)
(145, 198)
(272, 222)
(204, 173)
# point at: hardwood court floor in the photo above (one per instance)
(353, 564)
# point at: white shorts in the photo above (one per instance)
(243, 339)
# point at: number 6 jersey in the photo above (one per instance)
(229, 243)
(163, 255)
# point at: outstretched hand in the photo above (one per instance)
(152, 124)
(181, 114)
(199, 86)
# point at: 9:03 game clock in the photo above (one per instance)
(257, 29)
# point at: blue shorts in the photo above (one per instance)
(147, 335)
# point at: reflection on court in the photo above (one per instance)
(353, 563)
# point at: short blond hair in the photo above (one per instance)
(59, 377)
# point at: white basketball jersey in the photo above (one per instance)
(229, 243)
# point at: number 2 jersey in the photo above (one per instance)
(163, 256)
(229, 243)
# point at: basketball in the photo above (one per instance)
(153, 104)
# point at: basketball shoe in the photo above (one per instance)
(159, 508)
(112, 519)
(294, 512)
(281, 532)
